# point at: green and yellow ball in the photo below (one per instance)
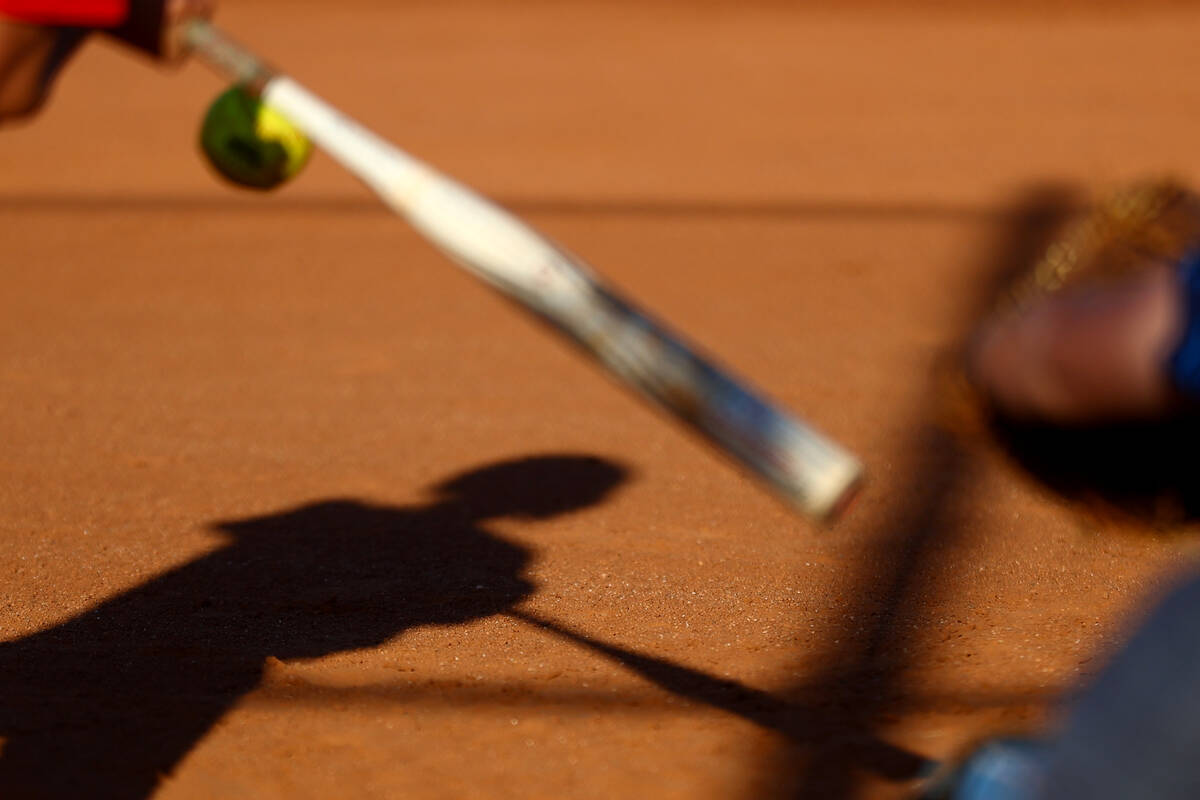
(250, 143)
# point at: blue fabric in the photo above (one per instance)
(1004, 769)
(1133, 734)
(1185, 362)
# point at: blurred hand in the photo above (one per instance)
(1089, 354)
(177, 13)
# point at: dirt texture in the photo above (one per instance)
(290, 507)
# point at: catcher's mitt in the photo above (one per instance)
(1136, 468)
(1150, 222)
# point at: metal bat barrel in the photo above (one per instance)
(804, 467)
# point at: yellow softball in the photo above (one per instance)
(252, 144)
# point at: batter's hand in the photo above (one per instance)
(156, 26)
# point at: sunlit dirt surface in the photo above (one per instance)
(292, 508)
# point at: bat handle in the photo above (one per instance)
(227, 56)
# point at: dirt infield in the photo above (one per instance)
(292, 508)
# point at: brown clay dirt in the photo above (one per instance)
(291, 508)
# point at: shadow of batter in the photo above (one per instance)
(104, 704)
